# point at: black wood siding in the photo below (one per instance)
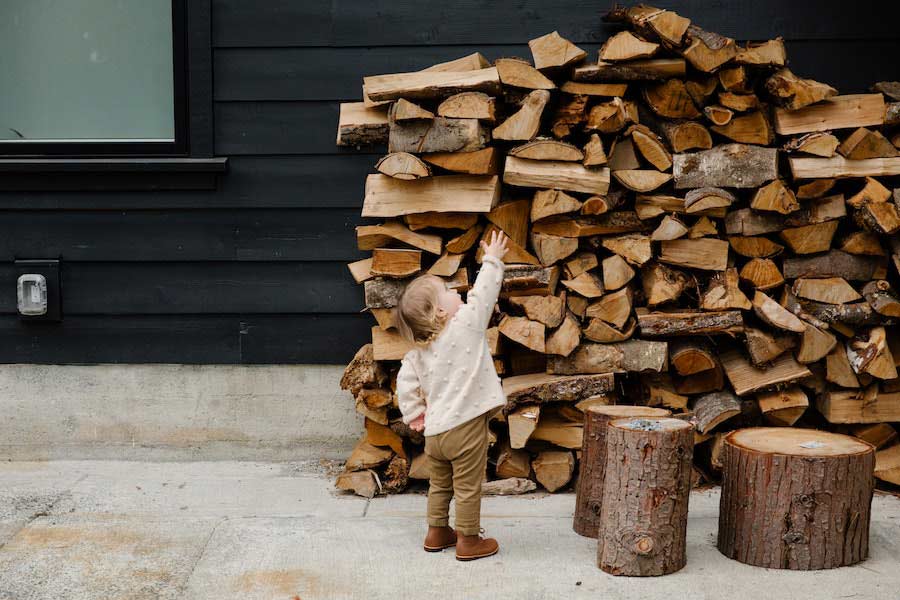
(254, 272)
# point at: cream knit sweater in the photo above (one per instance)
(452, 379)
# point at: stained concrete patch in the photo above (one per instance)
(541, 558)
(89, 557)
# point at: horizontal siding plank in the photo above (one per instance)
(249, 23)
(304, 181)
(193, 339)
(279, 128)
(198, 288)
(323, 74)
(324, 339)
(195, 235)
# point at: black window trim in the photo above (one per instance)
(180, 147)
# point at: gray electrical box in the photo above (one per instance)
(38, 290)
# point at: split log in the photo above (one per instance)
(479, 162)
(762, 274)
(833, 264)
(388, 345)
(862, 242)
(440, 220)
(565, 339)
(606, 90)
(633, 247)
(570, 113)
(881, 218)
(616, 272)
(605, 224)
(428, 85)
(859, 406)
(548, 310)
(524, 331)
(614, 308)
(752, 128)
(519, 73)
(763, 54)
(589, 489)
(538, 388)
(396, 262)
(551, 249)
(654, 69)
(775, 197)
(707, 50)
(359, 125)
(622, 156)
(787, 494)
(625, 46)
(703, 227)
(554, 51)
(553, 469)
(776, 315)
(764, 346)
(389, 197)
(746, 378)
(555, 175)
(361, 270)
(524, 124)
(404, 110)
(650, 147)
(793, 93)
(527, 280)
(871, 193)
(865, 143)
(607, 117)
(783, 407)
(838, 166)
(833, 290)
(662, 284)
(584, 261)
(641, 180)
(871, 354)
(548, 149)
(691, 356)
(838, 369)
(887, 465)
(670, 99)
(701, 200)
(648, 465)
(754, 247)
(594, 155)
(879, 435)
(630, 356)
(464, 241)
(363, 371)
(587, 284)
(521, 423)
(729, 165)
(836, 112)
(723, 293)
(881, 298)
(815, 342)
(818, 144)
(738, 102)
(361, 483)
(687, 135)
(511, 486)
(437, 135)
(369, 237)
(706, 253)
(713, 409)
(469, 105)
(811, 238)
(548, 203)
(513, 462)
(662, 324)
(669, 229)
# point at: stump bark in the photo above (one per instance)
(645, 496)
(589, 490)
(795, 498)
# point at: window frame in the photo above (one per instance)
(179, 147)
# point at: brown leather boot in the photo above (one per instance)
(439, 538)
(473, 547)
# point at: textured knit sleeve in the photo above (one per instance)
(480, 300)
(409, 391)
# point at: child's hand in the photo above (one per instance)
(497, 246)
(418, 424)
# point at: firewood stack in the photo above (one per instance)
(693, 226)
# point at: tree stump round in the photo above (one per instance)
(795, 498)
(645, 496)
(589, 489)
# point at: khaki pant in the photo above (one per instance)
(457, 460)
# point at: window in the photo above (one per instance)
(92, 77)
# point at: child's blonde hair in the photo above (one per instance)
(417, 317)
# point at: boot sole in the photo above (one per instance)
(476, 556)
(438, 548)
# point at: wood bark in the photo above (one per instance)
(589, 490)
(645, 497)
(795, 499)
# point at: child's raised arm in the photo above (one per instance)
(480, 300)
(409, 392)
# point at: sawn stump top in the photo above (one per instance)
(791, 441)
(625, 410)
(652, 424)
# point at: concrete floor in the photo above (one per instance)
(223, 530)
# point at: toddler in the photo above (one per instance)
(448, 387)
